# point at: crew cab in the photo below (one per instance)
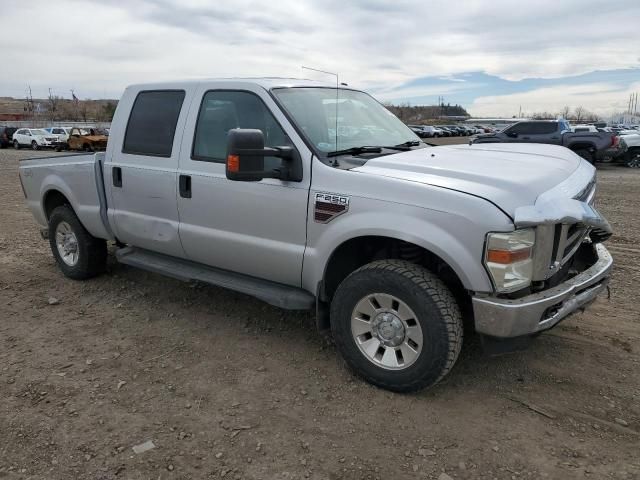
(251, 185)
(589, 145)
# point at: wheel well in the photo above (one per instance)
(356, 252)
(53, 199)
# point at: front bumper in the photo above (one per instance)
(506, 318)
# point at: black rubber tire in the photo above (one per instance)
(586, 154)
(438, 315)
(92, 259)
(632, 158)
(16, 145)
(87, 148)
(34, 145)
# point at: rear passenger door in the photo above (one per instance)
(141, 171)
(253, 228)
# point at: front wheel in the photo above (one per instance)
(34, 145)
(78, 254)
(633, 158)
(397, 325)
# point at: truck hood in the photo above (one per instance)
(508, 175)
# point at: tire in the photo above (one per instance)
(632, 159)
(16, 145)
(586, 154)
(87, 148)
(432, 310)
(34, 145)
(91, 252)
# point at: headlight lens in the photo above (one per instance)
(509, 259)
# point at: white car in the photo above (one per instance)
(61, 132)
(35, 138)
(583, 128)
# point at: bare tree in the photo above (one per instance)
(54, 103)
(564, 113)
(579, 113)
(83, 109)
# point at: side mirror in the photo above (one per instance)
(246, 153)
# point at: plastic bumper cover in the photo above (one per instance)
(506, 318)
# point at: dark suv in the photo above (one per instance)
(6, 136)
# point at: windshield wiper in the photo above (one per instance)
(404, 146)
(355, 151)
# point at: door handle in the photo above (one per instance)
(184, 183)
(116, 174)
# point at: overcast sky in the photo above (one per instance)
(491, 56)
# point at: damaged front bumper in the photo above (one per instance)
(506, 318)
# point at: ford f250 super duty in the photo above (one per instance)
(591, 146)
(313, 197)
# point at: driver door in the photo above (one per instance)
(253, 228)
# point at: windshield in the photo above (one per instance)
(361, 120)
(39, 132)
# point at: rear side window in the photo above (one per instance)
(543, 128)
(152, 123)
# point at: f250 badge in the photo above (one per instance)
(328, 206)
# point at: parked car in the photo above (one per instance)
(589, 145)
(583, 128)
(438, 132)
(36, 138)
(424, 131)
(61, 132)
(631, 145)
(6, 136)
(446, 132)
(392, 242)
(87, 139)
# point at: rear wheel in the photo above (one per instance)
(396, 325)
(586, 154)
(87, 148)
(16, 145)
(78, 254)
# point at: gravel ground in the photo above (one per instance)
(228, 387)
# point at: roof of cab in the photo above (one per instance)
(265, 82)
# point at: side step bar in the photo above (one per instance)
(277, 294)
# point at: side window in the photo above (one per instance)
(543, 128)
(520, 128)
(152, 123)
(222, 111)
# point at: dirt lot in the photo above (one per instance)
(228, 387)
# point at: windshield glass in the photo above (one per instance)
(39, 132)
(361, 120)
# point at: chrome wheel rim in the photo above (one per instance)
(67, 244)
(386, 331)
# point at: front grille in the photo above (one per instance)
(567, 240)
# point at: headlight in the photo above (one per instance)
(508, 257)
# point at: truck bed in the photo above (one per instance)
(78, 177)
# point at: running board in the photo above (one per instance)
(277, 294)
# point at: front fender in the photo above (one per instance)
(456, 239)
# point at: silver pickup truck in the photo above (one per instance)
(311, 197)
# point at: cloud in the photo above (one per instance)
(602, 99)
(99, 47)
